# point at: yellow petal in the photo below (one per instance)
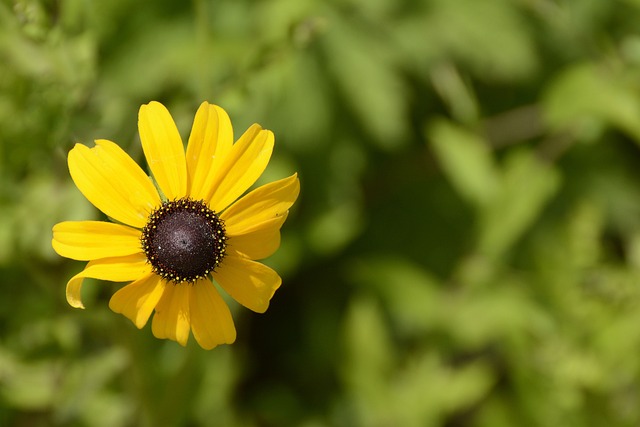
(244, 164)
(211, 319)
(163, 149)
(250, 283)
(210, 140)
(119, 269)
(259, 241)
(137, 300)
(266, 202)
(113, 182)
(171, 319)
(87, 240)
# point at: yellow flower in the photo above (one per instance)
(171, 241)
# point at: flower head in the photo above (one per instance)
(194, 227)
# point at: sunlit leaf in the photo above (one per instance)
(527, 185)
(467, 160)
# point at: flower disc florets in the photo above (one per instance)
(184, 240)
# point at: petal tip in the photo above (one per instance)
(76, 304)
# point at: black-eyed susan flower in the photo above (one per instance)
(173, 237)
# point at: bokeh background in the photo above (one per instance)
(465, 250)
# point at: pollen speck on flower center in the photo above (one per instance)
(184, 240)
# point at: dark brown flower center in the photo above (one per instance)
(184, 240)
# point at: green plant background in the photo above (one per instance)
(465, 250)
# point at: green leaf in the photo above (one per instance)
(365, 70)
(368, 359)
(585, 96)
(409, 293)
(367, 342)
(527, 186)
(489, 38)
(335, 227)
(466, 160)
(427, 390)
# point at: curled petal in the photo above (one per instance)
(250, 283)
(88, 240)
(137, 300)
(163, 149)
(211, 319)
(240, 169)
(119, 269)
(264, 203)
(113, 182)
(210, 140)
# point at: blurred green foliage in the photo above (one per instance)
(465, 251)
